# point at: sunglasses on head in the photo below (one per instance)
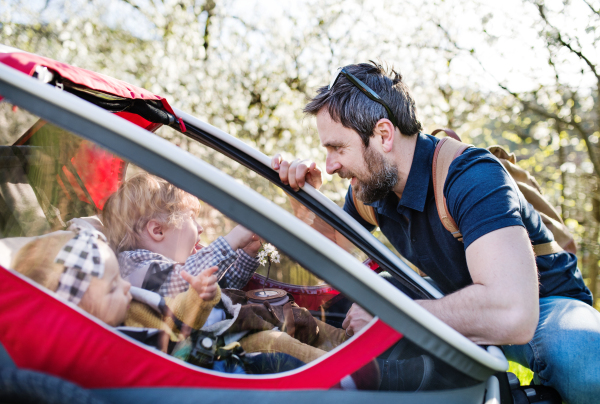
(364, 88)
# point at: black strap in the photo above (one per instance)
(155, 277)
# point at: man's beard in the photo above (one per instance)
(382, 177)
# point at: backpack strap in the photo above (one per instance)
(365, 211)
(445, 152)
(448, 132)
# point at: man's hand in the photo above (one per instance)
(297, 173)
(356, 319)
(205, 283)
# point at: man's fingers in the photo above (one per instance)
(297, 174)
(292, 176)
(301, 173)
(276, 161)
(283, 171)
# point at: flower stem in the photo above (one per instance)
(267, 278)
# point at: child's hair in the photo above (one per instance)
(138, 200)
(35, 259)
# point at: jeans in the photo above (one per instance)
(565, 350)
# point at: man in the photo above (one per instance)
(367, 122)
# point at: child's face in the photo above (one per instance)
(108, 298)
(182, 241)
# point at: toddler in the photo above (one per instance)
(80, 267)
(151, 225)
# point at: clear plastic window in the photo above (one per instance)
(50, 177)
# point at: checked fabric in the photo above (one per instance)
(81, 259)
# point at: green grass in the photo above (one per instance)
(525, 375)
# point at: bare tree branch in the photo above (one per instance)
(568, 45)
(592, 8)
(585, 135)
(537, 109)
(209, 7)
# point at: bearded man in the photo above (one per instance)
(367, 122)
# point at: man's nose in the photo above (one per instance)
(127, 286)
(200, 228)
(331, 165)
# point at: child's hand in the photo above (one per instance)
(240, 237)
(253, 247)
(205, 283)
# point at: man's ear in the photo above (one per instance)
(385, 131)
(155, 230)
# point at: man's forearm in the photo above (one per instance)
(485, 317)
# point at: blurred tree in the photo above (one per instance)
(248, 68)
(550, 118)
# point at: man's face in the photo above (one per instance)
(371, 175)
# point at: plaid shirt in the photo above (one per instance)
(155, 272)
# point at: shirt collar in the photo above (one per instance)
(417, 183)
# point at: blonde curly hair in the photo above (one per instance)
(138, 200)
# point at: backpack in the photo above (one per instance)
(450, 148)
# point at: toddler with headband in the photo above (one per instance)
(81, 268)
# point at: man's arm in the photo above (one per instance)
(502, 305)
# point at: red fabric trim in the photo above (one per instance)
(26, 63)
(42, 333)
(310, 297)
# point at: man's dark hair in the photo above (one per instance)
(350, 106)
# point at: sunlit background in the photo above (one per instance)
(523, 74)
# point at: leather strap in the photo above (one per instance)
(547, 248)
(445, 152)
(289, 324)
(365, 211)
(448, 132)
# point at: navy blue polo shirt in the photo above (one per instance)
(481, 197)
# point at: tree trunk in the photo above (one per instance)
(594, 256)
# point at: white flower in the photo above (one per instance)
(268, 254)
(275, 257)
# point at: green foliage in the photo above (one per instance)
(525, 375)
